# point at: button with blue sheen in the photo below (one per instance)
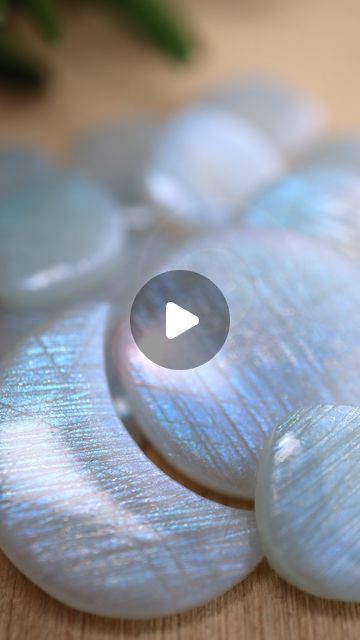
(83, 513)
(290, 119)
(294, 340)
(59, 237)
(308, 501)
(320, 202)
(206, 162)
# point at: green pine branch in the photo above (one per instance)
(152, 18)
(3, 11)
(45, 17)
(158, 24)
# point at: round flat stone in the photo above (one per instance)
(294, 340)
(206, 162)
(308, 501)
(289, 119)
(19, 166)
(83, 512)
(320, 202)
(58, 237)
(117, 156)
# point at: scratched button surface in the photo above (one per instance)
(294, 339)
(307, 501)
(83, 512)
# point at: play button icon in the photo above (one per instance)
(180, 319)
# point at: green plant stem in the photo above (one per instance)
(3, 11)
(151, 17)
(157, 23)
(44, 15)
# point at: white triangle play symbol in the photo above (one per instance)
(178, 320)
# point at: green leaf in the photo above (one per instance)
(3, 10)
(159, 24)
(151, 17)
(18, 68)
(44, 15)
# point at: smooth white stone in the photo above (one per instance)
(289, 119)
(319, 202)
(206, 163)
(83, 512)
(143, 252)
(294, 340)
(117, 156)
(308, 501)
(20, 165)
(58, 237)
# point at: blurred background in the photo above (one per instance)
(104, 61)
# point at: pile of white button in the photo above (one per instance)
(274, 416)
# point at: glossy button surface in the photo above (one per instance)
(207, 162)
(288, 118)
(294, 340)
(308, 501)
(59, 236)
(83, 512)
(319, 202)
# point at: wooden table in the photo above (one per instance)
(102, 73)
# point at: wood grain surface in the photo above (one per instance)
(101, 73)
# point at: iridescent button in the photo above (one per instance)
(288, 118)
(59, 237)
(83, 513)
(206, 163)
(307, 500)
(322, 202)
(294, 341)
